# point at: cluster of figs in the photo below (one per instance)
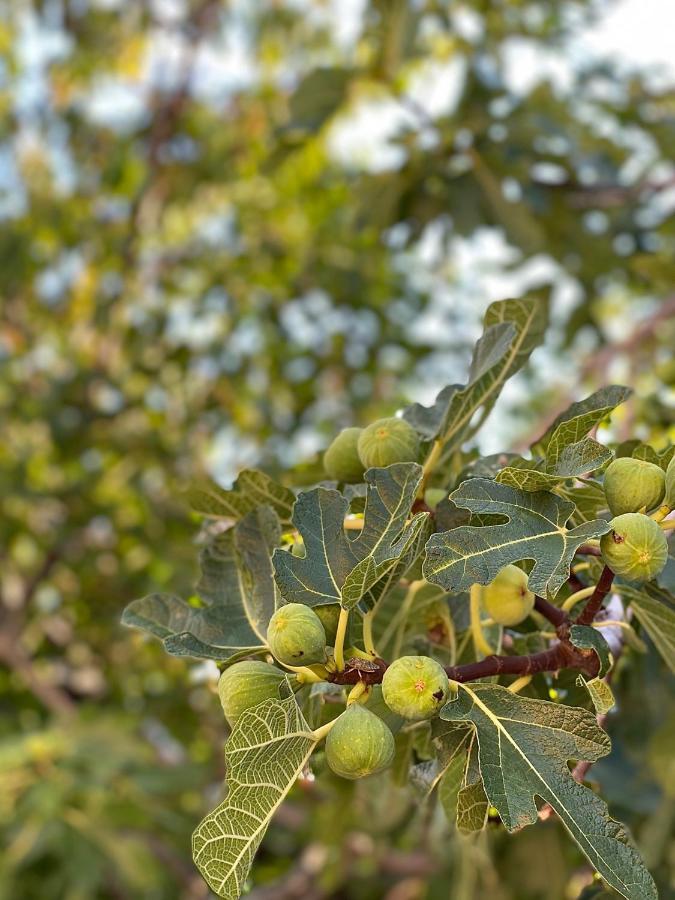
(414, 688)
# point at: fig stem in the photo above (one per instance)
(359, 689)
(429, 464)
(667, 526)
(320, 733)
(338, 651)
(353, 524)
(480, 644)
(368, 642)
(661, 513)
(305, 674)
(519, 684)
(574, 598)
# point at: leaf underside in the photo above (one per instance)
(265, 754)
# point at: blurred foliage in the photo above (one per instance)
(196, 275)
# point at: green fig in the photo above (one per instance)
(633, 484)
(298, 548)
(341, 460)
(359, 744)
(388, 441)
(296, 636)
(329, 615)
(415, 687)
(669, 498)
(246, 684)
(636, 548)
(433, 496)
(507, 599)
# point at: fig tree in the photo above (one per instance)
(415, 687)
(507, 599)
(341, 460)
(296, 636)
(633, 484)
(246, 684)
(388, 441)
(359, 744)
(636, 548)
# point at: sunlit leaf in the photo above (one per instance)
(265, 753)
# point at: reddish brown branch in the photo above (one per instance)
(588, 550)
(561, 656)
(594, 604)
(553, 614)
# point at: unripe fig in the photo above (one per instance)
(359, 744)
(507, 599)
(246, 684)
(296, 636)
(433, 496)
(388, 441)
(633, 484)
(329, 615)
(636, 548)
(298, 548)
(669, 498)
(341, 459)
(415, 687)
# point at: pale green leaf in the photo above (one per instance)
(524, 746)
(267, 750)
(600, 693)
(535, 530)
(237, 589)
(654, 611)
(337, 568)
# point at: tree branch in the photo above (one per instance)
(594, 604)
(553, 614)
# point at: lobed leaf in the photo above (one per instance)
(238, 591)
(267, 750)
(252, 489)
(524, 746)
(535, 529)
(512, 329)
(340, 569)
